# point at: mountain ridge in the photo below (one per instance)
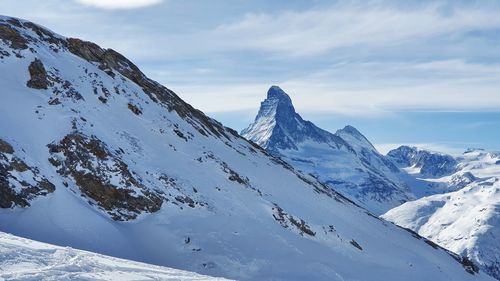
(460, 212)
(346, 160)
(137, 173)
(278, 126)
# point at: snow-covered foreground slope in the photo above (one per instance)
(24, 259)
(96, 156)
(346, 161)
(466, 218)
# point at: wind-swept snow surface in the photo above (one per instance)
(96, 156)
(24, 259)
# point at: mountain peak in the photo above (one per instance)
(432, 164)
(275, 111)
(128, 149)
(278, 104)
(278, 126)
(275, 92)
(351, 131)
(353, 136)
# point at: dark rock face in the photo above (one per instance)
(5, 147)
(90, 164)
(10, 32)
(38, 75)
(288, 128)
(430, 164)
(19, 183)
(289, 221)
(12, 36)
(110, 60)
(44, 34)
(136, 110)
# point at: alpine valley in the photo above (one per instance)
(96, 156)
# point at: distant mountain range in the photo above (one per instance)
(346, 161)
(95, 155)
(464, 214)
(459, 205)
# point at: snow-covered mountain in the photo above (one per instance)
(464, 215)
(24, 259)
(96, 156)
(346, 161)
(427, 163)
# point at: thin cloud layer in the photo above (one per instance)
(354, 60)
(351, 57)
(316, 31)
(119, 4)
(368, 89)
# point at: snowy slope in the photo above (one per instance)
(466, 217)
(346, 161)
(96, 156)
(426, 163)
(427, 172)
(24, 259)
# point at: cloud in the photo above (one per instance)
(119, 4)
(316, 31)
(365, 89)
(353, 58)
(380, 88)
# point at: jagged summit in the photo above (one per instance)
(278, 126)
(346, 160)
(276, 108)
(275, 92)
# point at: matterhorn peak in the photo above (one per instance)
(278, 104)
(275, 111)
(275, 92)
(278, 126)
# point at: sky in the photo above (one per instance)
(424, 73)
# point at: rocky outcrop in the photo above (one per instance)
(103, 177)
(110, 60)
(19, 182)
(10, 35)
(38, 75)
(5, 147)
